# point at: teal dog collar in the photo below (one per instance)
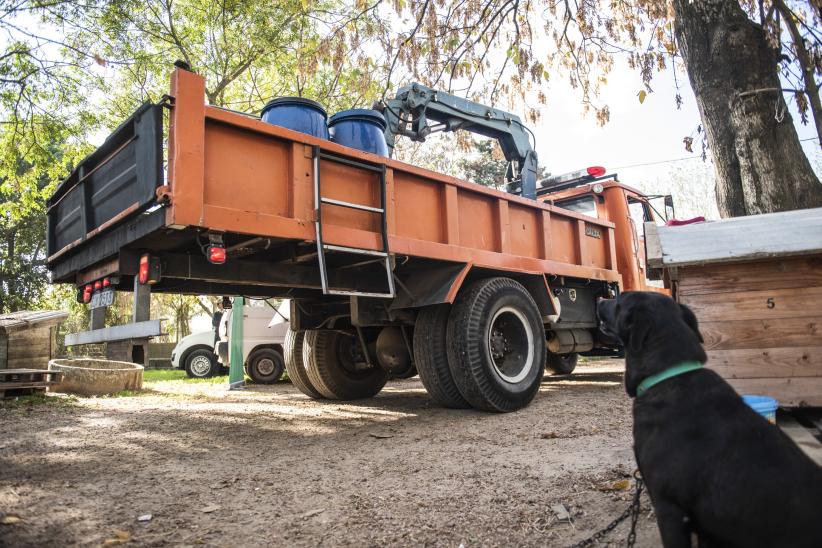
(653, 380)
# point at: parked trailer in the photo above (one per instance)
(380, 258)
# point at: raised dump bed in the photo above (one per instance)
(92, 377)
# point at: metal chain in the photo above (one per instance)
(632, 511)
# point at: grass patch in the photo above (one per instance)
(38, 400)
(177, 375)
(128, 394)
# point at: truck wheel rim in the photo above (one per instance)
(511, 344)
(200, 365)
(265, 366)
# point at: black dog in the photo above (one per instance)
(713, 466)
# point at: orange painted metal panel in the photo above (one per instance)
(186, 148)
(503, 227)
(563, 239)
(524, 224)
(546, 235)
(419, 208)
(599, 253)
(452, 215)
(257, 179)
(478, 221)
(354, 185)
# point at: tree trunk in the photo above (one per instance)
(760, 165)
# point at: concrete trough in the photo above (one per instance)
(94, 377)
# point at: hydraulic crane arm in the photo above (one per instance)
(418, 111)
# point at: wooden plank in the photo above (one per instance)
(790, 392)
(10, 372)
(781, 234)
(20, 385)
(32, 351)
(766, 333)
(801, 436)
(39, 362)
(752, 305)
(747, 363)
(751, 276)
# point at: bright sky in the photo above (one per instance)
(636, 134)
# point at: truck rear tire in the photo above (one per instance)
(431, 358)
(265, 366)
(294, 364)
(561, 364)
(496, 345)
(334, 369)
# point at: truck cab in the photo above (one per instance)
(629, 209)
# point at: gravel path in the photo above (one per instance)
(269, 467)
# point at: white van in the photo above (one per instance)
(264, 329)
(195, 354)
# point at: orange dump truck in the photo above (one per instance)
(390, 268)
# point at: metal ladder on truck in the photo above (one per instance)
(381, 255)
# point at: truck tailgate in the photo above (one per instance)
(115, 182)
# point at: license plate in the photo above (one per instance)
(102, 298)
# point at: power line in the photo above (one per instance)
(685, 158)
(658, 162)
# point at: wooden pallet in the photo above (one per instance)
(18, 382)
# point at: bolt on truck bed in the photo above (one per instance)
(359, 242)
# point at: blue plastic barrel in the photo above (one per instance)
(360, 128)
(299, 114)
(764, 405)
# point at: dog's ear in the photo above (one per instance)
(690, 319)
(633, 326)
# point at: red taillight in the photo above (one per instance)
(144, 266)
(596, 171)
(106, 282)
(149, 271)
(87, 293)
(216, 254)
(98, 285)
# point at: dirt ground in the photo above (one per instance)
(268, 466)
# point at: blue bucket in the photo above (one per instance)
(360, 128)
(297, 113)
(763, 405)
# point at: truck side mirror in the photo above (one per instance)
(669, 207)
